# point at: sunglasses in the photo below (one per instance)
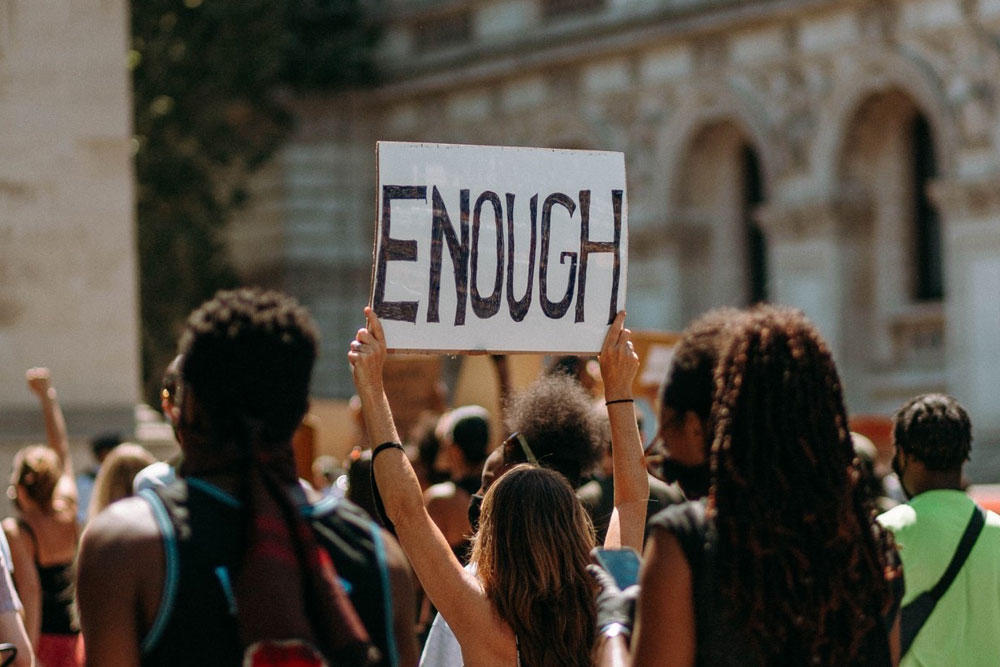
(525, 449)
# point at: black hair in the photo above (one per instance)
(248, 357)
(469, 427)
(105, 442)
(935, 429)
(556, 417)
(690, 384)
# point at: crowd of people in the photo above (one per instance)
(753, 517)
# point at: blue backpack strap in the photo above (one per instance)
(171, 560)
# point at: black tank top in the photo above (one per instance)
(56, 582)
(202, 528)
(720, 641)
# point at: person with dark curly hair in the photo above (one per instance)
(782, 562)
(932, 435)
(237, 559)
(686, 402)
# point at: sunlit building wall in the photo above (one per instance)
(836, 155)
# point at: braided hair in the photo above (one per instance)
(802, 562)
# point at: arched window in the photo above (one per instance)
(928, 271)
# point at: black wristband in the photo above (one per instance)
(385, 445)
(619, 400)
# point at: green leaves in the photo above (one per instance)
(208, 80)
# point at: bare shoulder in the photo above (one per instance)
(121, 545)
(126, 530)
(438, 492)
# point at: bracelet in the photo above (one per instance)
(619, 400)
(616, 629)
(384, 446)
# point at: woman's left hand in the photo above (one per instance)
(618, 360)
(367, 354)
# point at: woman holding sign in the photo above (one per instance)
(532, 601)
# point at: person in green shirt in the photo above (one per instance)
(933, 437)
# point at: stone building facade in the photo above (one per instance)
(68, 270)
(842, 156)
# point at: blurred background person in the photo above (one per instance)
(43, 533)
(117, 475)
(100, 446)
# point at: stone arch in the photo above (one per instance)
(875, 73)
(702, 107)
(683, 255)
(886, 159)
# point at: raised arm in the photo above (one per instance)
(619, 364)
(40, 384)
(457, 594)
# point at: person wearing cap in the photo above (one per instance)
(464, 442)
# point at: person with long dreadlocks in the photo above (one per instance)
(782, 563)
(237, 563)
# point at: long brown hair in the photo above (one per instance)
(532, 550)
(801, 559)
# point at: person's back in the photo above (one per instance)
(234, 562)
(933, 440)
(205, 525)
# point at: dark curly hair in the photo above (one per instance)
(690, 382)
(248, 355)
(556, 417)
(802, 563)
(935, 429)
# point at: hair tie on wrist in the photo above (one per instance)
(619, 400)
(385, 445)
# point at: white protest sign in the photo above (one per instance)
(498, 249)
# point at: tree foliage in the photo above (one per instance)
(210, 82)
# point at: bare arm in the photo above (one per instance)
(894, 645)
(619, 364)
(664, 627)
(121, 545)
(40, 383)
(12, 628)
(456, 593)
(612, 652)
(22, 552)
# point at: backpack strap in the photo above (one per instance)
(916, 613)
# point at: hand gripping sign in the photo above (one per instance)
(498, 249)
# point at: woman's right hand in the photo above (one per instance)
(618, 360)
(367, 354)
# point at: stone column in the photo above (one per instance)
(660, 289)
(818, 262)
(970, 212)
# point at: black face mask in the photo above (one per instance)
(694, 480)
(899, 470)
(475, 508)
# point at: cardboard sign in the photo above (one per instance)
(656, 351)
(498, 249)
